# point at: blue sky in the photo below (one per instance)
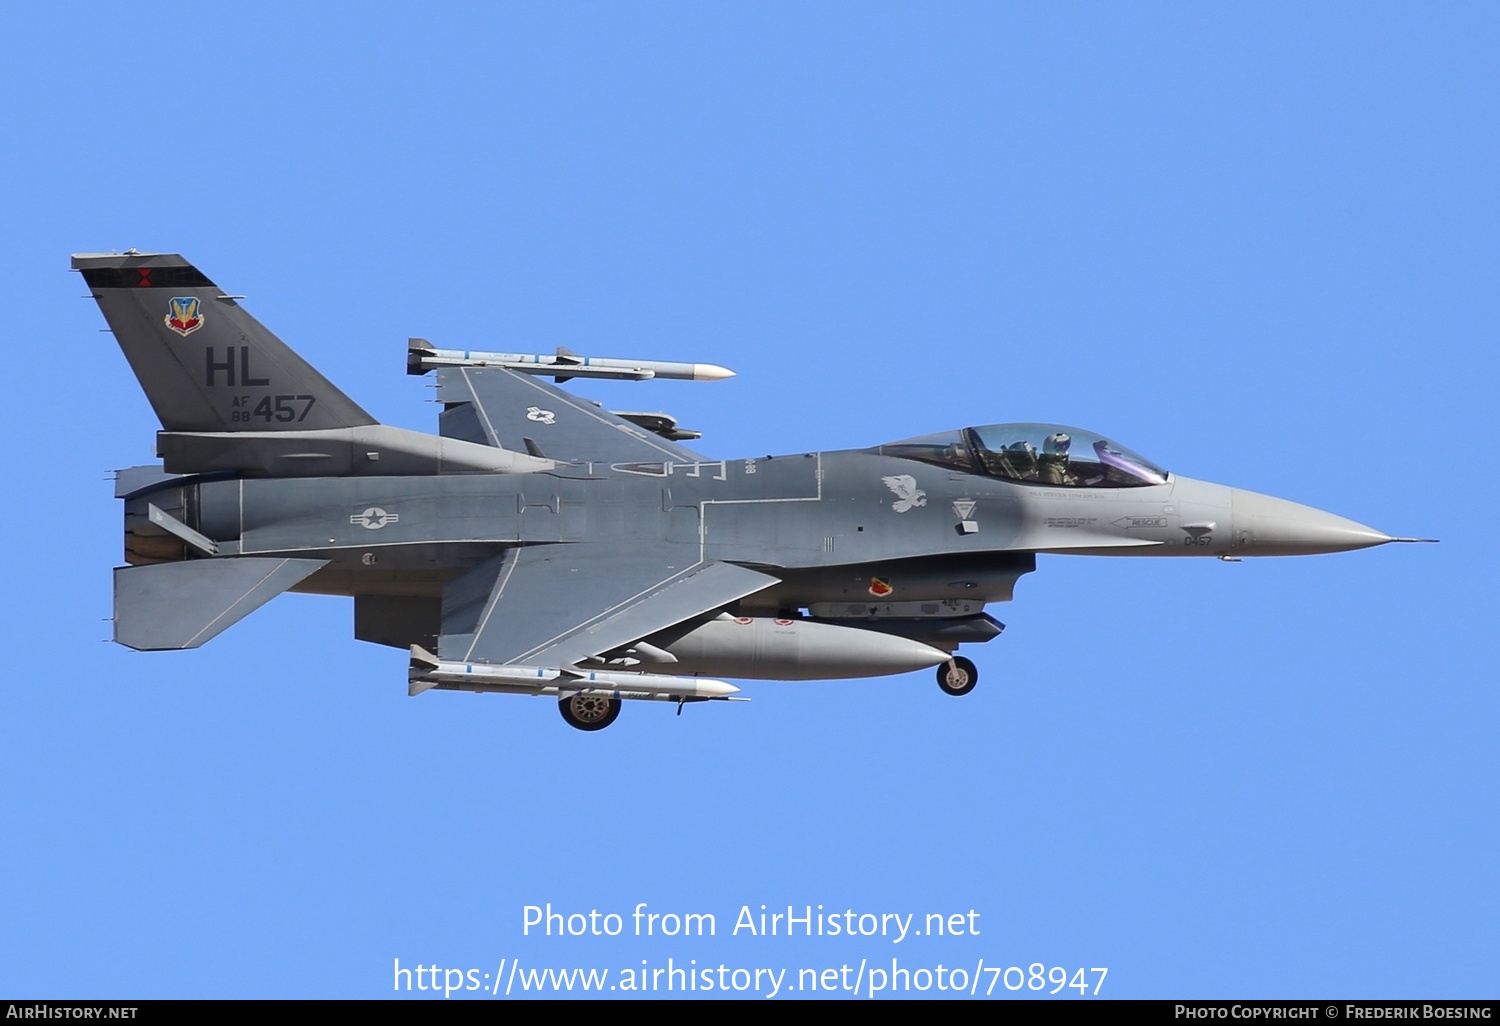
(1255, 243)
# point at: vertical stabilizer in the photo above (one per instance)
(204, 363)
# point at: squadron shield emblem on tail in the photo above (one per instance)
(184, 315)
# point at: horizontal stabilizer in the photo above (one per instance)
(130, 480)
(182, 605)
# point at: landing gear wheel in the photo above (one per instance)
(957, 676)
(589, 712)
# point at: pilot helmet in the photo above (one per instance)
(1057, 444)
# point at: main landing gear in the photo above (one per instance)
(589, 712)
(957, 676)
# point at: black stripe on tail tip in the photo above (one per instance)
(145, 278)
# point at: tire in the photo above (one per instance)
(957, 676)
(589, 712)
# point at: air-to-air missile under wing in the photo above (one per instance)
(541, 545)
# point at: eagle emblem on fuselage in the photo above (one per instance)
(907, 492)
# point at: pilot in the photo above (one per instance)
(1052, 464)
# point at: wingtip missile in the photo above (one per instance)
(710, 372)
(422, 356)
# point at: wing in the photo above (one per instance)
(552, 605)
(502, 408)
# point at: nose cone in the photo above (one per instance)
(1267, 526)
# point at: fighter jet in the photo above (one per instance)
(541, 545)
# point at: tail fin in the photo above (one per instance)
(203, 362)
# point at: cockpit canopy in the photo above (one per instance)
(1045, 454)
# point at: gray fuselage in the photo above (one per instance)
(832, 515)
